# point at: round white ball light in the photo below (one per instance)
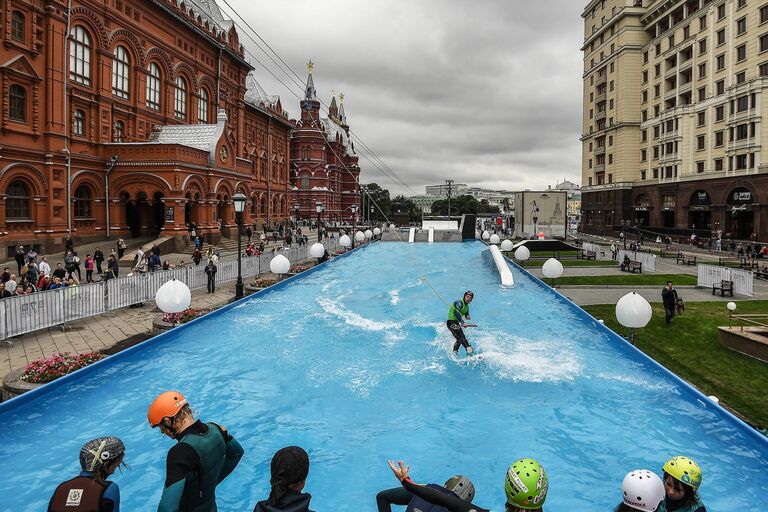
(359, 236)
(486, 235)
(368, 234)
(317, 250)
(507, 245)
(376, 231)
(633, 311)
(731, 306)
(552, 268)
(344, 241)
(279, 264)
(173, 297)
(522, 253)
(494, 239)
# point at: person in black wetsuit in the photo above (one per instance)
(289, 470)
(456, 315)
(526, 487)
(203, 457)
(458, 485)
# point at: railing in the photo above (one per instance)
(752, 320)
(51, 308)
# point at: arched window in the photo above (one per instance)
(304, 182)
(80, 56)
(83, 200)
(180, 99)
(17, 26)
(78, 123)
(153, 87)
(18, 103)
(263, 206)
(119, 132)
(121, 65)
(17, 201)
(202, 107)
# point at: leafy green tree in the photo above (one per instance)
(381, 200)
(404, 205)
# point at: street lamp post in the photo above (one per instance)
(296, 208)
(354, 222)
(319, 208)
(239, 201)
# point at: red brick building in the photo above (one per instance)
(323, 161)
(132, 118)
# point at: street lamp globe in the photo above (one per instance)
(239, 202)
(359, 236)
(317, 250)
(345, 241)
(376, 231)
(368, 234)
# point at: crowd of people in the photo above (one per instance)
(206, 453)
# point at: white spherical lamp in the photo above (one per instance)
(368, 234)
(359, 236)
(486, 235)
(522, 253)
(552, 268)
(634, 312)
(279, 264)
(317, 250)
(377, 231)
(731, 306)
(345, 241)
(507, 245)
(173, 297)
(494, 239)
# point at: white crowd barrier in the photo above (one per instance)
(743, 280)
(41, 310)
(647, 259)
(597, 249)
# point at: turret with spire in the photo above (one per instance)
(342, 114)
(333, 110)
(310, 107)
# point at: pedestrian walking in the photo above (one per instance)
(20, 257)
(121, 246)
(249, 233)
(88, 268)
(69, 244)
(210, 271)
(98, 259)
(669, 297)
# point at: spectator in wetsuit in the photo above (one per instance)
(289, 470)
(203, 457)
(91, 490)
(526, 486)
(460, 310)
(458, 485)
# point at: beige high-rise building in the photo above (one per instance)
(673, 126)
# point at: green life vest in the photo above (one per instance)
(464, 311)
(200, 486)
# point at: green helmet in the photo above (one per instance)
(685, 470)
(526, 484)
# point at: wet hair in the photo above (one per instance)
(290, 466)
(689, 494)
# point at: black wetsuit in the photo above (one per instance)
(455, 319)
(450, 501)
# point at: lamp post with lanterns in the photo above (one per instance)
(296, 208)
(319, 208)
(354, 222)
(239, 202)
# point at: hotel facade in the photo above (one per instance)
(673, 105)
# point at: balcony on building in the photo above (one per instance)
(600, 98)
(601, 79)
(600, 115)
(599, 168)
(600, 150)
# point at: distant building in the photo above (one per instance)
(457, 189)
(424, 202)
(574, 198)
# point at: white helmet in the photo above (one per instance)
(643, 490)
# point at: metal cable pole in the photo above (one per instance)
(450, 189)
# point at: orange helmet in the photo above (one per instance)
(167, 405)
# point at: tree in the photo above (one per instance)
(402, 204)
(381, 201)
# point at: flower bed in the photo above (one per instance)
(184, 316)
(300, 268)
(263, 282)
(58, 365)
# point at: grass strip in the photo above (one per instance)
(629, 280)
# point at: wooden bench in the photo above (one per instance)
(761, 273)
(746, 264)
(690, 260)
(725, 286)
(632, 266)
(680, 257)
(590, 255)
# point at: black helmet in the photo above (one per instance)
(462, 487)
(97, 452)
(470, 293)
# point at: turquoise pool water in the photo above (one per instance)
(353, 363)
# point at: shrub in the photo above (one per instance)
(58, 365)
(184, 316)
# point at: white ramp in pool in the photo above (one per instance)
(431, 235)
(412, 235)
(501, 266)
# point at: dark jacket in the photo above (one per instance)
(293, 501)
(211, 271)
(669, 297)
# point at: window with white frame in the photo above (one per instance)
(121, 65)
(180, 99)
(153, 87)
(79, 56)
(202, 106)
(78, 123)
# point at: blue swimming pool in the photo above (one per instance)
(353, 362)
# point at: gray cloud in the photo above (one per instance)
(487, 92)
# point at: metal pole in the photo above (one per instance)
(354, 225)
(239, 283)
(450, 184)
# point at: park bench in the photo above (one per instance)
(680, 256)
(761, 273)
(685, 259)
(747, 264)
(632, 266)
(590, 255)
(725, 286)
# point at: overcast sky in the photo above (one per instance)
(486, 92)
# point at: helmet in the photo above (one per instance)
(685, 470)
(643, 490)
(462, 487)
(167, 405)
(526, 484)
(97, 452)
(470, 293)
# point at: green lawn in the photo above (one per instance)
(569, 263)
(691, 349)
(629, 279)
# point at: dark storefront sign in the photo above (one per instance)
(740, 196)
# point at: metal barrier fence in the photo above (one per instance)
(743, 280)
(597, 249)
(44, 309)
(647, 259)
